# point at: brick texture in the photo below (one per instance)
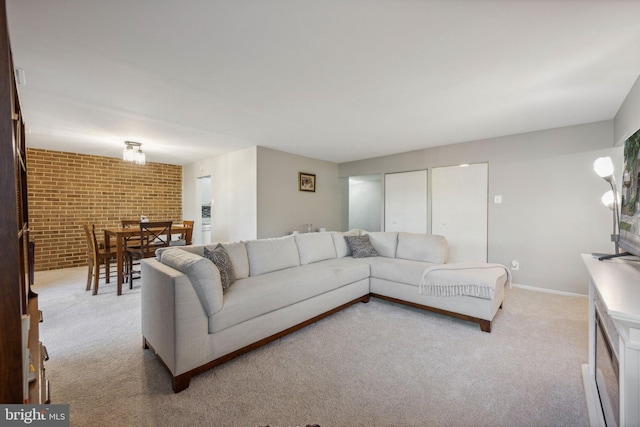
(67, 190)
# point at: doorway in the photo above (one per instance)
(204, 206)
(365, 202)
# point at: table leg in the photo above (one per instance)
(107, 261)
(120, 261)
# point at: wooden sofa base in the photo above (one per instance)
(181, 382)
(485, 325)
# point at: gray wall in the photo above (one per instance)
(551, 210)
(281, 208)
(233, 190)
(255, 193)
(627, 121)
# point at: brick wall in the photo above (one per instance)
(68, 189)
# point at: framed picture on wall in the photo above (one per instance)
(306, 181)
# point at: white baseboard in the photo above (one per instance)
(550, 291)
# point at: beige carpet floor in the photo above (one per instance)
(376, 364)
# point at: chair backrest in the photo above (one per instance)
(155, 234)
(187, 235)
(92, 242)
(131, 223)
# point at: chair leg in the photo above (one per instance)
(127, 268)
(96, 277)
(130, 272)
(107, 269)
(89, 275)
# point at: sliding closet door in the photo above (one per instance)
(459, 210)
(405, 202)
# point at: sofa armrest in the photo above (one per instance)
(203, 275)
(173, 320)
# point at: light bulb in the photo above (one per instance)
(603, 167)
(607, 199)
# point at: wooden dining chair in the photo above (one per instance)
(96, 258)
(130, 242)
(131, 223)
(186, 236)
(153, 235)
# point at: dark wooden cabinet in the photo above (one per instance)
(16, 296)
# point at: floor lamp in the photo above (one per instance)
(604, 168)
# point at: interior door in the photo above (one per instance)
(405, 201)
(459, 210)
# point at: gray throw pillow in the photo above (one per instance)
(361, 246)
(220, 258)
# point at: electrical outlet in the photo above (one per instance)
(515, 265)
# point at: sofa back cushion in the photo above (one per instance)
(238, 254)
(236, 250)
(194, 249)
(267, 255)
(314, 247)
(423, 247)
(202, 273)
(342, 248)
(385, 242)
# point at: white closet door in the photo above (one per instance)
(405, 202)
(459, 210)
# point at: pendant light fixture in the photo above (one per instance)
(133, 153)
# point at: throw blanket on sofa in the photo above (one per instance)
(471, 279)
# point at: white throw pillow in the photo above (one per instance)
(342, 249)
(423, 247)
(314, 247)
(385, 242)
(267, 255)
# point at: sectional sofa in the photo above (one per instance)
(203, 305)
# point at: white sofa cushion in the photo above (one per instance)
(236, 250)
(397, 270)
(267, 255)
(342, 248)
(385, 242)
(423, 247)
(238, 254)
(256, 296)
(314, 247)
(202, 273)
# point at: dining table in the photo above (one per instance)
(121, 234)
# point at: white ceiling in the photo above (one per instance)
(330, 79)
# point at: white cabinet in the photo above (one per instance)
(614, 317)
